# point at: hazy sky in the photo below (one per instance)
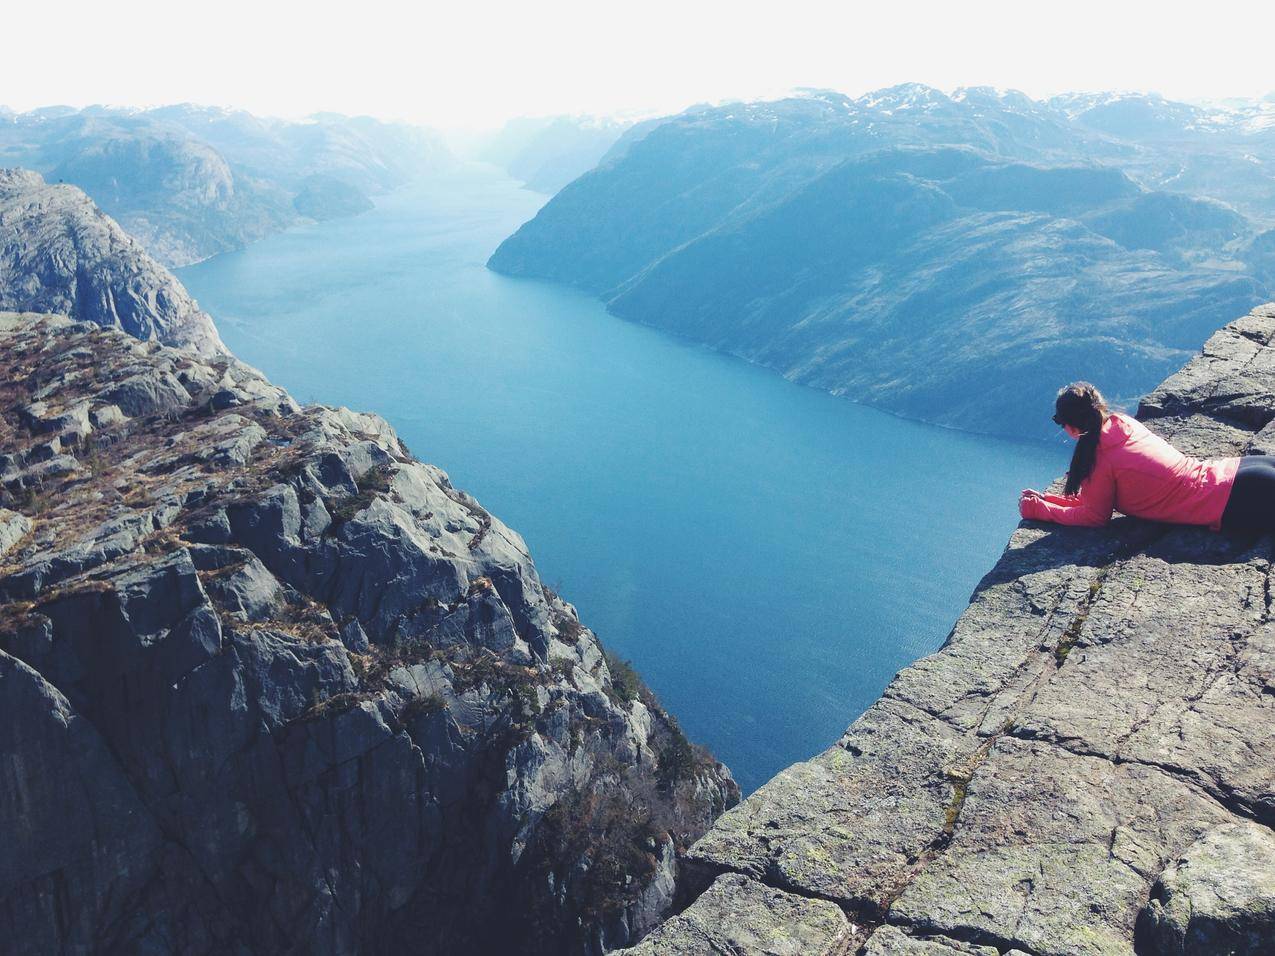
(475, 64)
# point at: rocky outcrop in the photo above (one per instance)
(269, 684)
(1219, 897)
(60, 254)
(1087, 766)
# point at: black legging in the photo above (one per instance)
(1251, 506)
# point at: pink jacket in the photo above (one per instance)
(1139, 473)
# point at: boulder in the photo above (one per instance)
(1218, 897)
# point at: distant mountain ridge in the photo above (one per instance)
(548, 152)
(190, 181)
(949, 257)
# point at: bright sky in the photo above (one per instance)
(468, 63)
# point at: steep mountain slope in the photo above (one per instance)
(1086, 766)
(675, 179)
(944, 284)
(269, 684)
(59, 253)
(174, 192)
(190, 182)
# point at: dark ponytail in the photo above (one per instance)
(1081, 406)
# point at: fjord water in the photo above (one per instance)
(767, 555)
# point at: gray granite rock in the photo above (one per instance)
(268, 684)
(73, 819)
(60, 254)
(892, 941)
(740, 915)
(1087, 765)
(13, 528)
(1219, 897)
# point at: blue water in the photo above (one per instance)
(768, 556)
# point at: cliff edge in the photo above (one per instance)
(1087, 766)
(59, 253)
(270, 684)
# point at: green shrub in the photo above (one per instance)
(425, 704)
(564, 667)
(677, 759)
(626, 685)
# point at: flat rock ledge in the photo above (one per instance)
(1087, 766)
(739, 915)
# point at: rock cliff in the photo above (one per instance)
(270, 684)
(59, 253)
(1087, 766)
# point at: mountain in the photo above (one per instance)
(1217, 152)
(954, 284)
(60, 253)
(270, 684)
(1084, 768)
(548, 152)
(327, 197)
(367, 153)
(190, 182)
(711, 167)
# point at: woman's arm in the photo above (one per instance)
(1060, 499)
(1091, 506)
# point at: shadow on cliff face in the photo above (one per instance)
(1038, 546)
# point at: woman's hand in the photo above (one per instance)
(1027, 500)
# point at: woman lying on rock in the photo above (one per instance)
(1119, 464)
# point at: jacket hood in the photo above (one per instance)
(1117, 429)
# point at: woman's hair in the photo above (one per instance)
(1081, 406)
